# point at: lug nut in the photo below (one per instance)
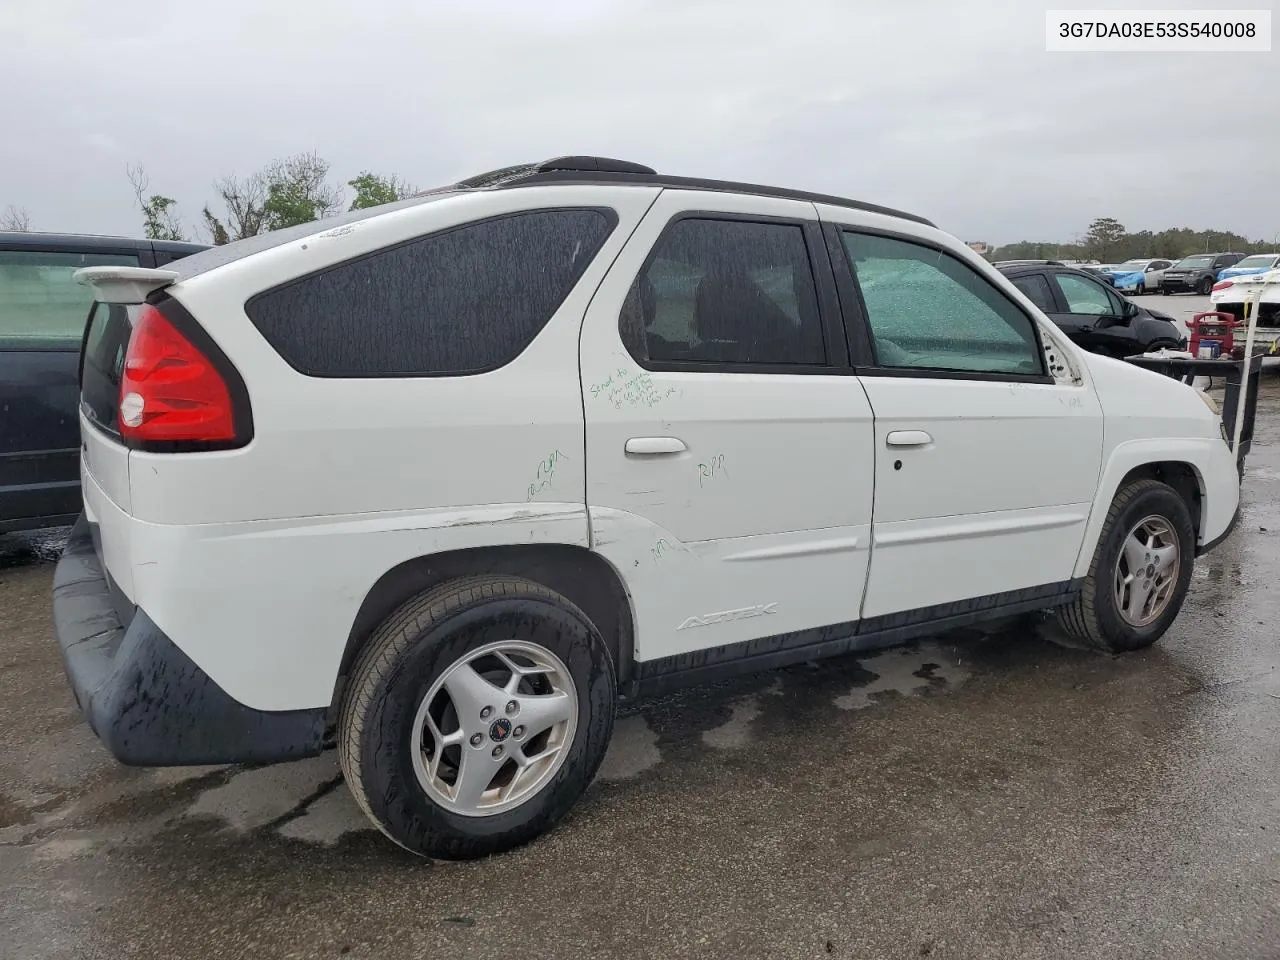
(486, 713)
(512, 708)
(476, 739)
(518, 732)
(497, 751)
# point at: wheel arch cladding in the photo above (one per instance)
(1181, 476)
(581, 576)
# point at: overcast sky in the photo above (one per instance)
(948, 108)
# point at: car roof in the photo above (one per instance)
(605, 170)
(84, 242)
(1021, 268)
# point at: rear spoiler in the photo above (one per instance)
(124, 284)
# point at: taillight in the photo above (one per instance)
(170, 392)
(1222, 285)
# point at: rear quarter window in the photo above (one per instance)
(465, 300)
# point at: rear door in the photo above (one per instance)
(42, 323)
(729, 460)
(986, 462)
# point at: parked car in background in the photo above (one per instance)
(448, 476)
(1197, 273)
(42, 324)
(1139, 275)
(1092, 315)
(1254, 263)
(1230, 296)
(1101, 271)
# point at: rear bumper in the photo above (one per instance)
(144, 698)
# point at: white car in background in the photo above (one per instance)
(1231, 295)
(1139, 275)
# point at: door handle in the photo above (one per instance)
(655, 446)
(907, 438)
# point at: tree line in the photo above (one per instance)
(284, 193)
(1107, 241)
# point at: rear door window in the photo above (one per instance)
(41, 305)
(726, 292)
(463, 301)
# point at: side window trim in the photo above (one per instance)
(833, 330)
(859, 327)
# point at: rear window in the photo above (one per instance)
(466, 300)
(103, 364)
(41, 306)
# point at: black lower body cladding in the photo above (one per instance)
(148, 702)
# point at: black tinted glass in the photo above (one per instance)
(726, 291)
(103, 364)
(467, 300)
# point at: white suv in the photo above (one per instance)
(445, 478)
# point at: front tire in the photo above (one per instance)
(1205, 288)
(476, 716)
(1140, 572)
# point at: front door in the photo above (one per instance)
(1098, 311)
(729, 446)
(986, 463)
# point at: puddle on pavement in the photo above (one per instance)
(36, 546)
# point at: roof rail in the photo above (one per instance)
(593, 164)
(587, 169)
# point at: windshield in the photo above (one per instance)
(1133, 265)
(1194, 263)
(1258, 260)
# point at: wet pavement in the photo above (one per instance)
(985, 795)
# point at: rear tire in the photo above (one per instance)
(507, 650)
(1131, 594)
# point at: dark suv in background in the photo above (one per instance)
(42, 323)
(1092, 314)
(1197, 273)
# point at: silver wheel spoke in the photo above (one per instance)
(519, 672)
(470, 693)
(538, 713)
(1138, 595)
(528, 768)
(478, 770)
(1135, 554)
(1164, 558)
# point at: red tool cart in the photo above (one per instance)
(1212, 335)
